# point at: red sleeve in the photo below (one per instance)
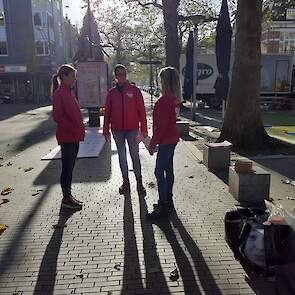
(107, 115)
(160, 123)
(58, 113)
(142, 112)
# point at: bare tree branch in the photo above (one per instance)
(154, 3)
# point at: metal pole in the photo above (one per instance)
(195, 73)
(151, 75)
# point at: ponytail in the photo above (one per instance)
(54, 84)
(64, 70)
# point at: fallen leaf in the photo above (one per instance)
(9, 164)
(28, 169)
(1, 158)
(117, 266)
(79, 275)
(59, 225)
(3, 201)
(185, 166)
(174, 275)
(3, 227)
(37, 192)
(151, 184)
(191, 176)
(290, 198)
(7, 191)
(1, 165)
(286, 181)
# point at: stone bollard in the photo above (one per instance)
(183, 128)
(250, 187)
(216, 156)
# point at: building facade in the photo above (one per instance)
(33, 43)
(278, 31)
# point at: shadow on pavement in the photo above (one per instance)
(131, 272)
(8, 256)
(205, 276)
(41, 132)
(47, 272)
(10, 110)
(86, 170)
(190, 284)
(155, 280)
(285, 167)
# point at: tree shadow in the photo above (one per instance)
(11, 110)
(8, 256)
(155, 281)
(131, 273)
(41, 132)
(47, 272)
(86, 170)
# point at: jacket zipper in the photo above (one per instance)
(122, 94)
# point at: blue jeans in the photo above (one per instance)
(164, 171)
(120, 138)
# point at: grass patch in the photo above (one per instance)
(278, 119)
(281, 133)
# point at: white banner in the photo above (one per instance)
(92, 84)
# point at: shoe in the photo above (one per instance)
(124, 189)
(68, 203)
(75, 200)
(159, 212)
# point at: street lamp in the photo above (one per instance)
(196, 20)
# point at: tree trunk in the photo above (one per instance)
(243, 125)
(172, 45)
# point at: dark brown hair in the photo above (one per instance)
(63, 70)
(118, 67)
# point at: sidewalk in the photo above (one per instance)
(109, 247)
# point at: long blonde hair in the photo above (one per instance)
(170, 82)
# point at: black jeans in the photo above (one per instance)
(69, 152)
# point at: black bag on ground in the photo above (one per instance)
(275, 237)
(235, 220)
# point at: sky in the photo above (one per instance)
(74, 12)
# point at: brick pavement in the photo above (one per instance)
(108, 247)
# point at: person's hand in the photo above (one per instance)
(151, 150)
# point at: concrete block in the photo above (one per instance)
(183, 128)
(249, 187)
(216, 156)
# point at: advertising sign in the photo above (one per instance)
(92, 84)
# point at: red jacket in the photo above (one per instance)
(164, 121)
(124, 110)
(67, 115)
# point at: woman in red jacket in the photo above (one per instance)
(70, 129)
(166, 137)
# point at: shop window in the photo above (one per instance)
(3, 48)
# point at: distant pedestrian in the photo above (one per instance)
(125, 114)
(165, 138)
(70, 129)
